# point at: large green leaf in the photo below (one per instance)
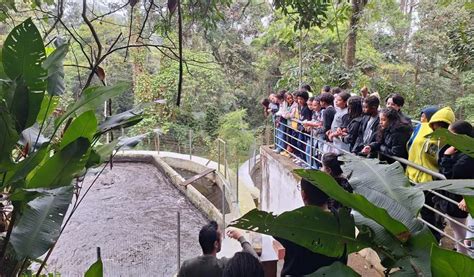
(100, 154)
(385, 244)
(121, 120)
(38, 227)
(22, 55)
(25, 105)
(54, 65)
(417, 262)
(47, 108)
(353, 200)
(84, 126)
(91, 98)
(458, 186)
(309, 226)
(23, 168)
(130, 142)
(449, 263)
(335, 269)
(386, 186)
(462, 143)
(60, 169)
(95, 270)
(409, 257)
(470, 204)
(8, 134)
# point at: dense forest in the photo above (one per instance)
(234, 53)
(81, 80)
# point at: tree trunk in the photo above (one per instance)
(357, 7)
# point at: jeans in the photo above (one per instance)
(309, 155)
(281, 137)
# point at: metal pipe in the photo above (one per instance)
(218, 156)
(223, 206)
(190, 144)
(445, 234)
(448, 218)
(225, 160)
(416, 166)
(443, 196)
(178, 239)
(237, 182)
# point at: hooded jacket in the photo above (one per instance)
(425, 151)
(393, 142)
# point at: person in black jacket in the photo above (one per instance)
(396, 101)
(351, 122)
(392, 137)
(305, 114)
(456, 165)
(369, 124)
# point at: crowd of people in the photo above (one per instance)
(336, 121)
(315, 130)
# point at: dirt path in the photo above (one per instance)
(131, 214)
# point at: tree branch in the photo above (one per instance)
(59, 16)
(145, 20)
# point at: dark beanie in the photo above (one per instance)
(429, 111)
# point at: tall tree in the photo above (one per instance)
(357, 7)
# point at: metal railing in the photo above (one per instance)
(314, 149)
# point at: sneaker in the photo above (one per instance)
(285, 154)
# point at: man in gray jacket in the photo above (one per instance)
(210, 239)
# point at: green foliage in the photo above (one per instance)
(303, 226)
(54, 65)
(449, 263)
(95, 270)
(23, 54)
(358, 202)
(462, 143)
(311, 13)
(39, 224)
(37, 169)
(60, 169)
(335, 269)
(235, 131)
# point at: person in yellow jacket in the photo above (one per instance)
(424, 151)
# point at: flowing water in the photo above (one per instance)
(131, 214)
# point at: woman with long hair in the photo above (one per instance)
(351, 123)
(392, 136)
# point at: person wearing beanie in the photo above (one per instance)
(425, 116)
(427, 152)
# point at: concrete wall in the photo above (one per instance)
(279, 191)
(151, 157)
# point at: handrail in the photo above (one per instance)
(400, 160)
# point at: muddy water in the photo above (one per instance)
(131, 214)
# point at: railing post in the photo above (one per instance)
(225, 160)
(218, 155)
(178, 239)
(237, 182)
(190, 144)
(311, 142)
(223, 206)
